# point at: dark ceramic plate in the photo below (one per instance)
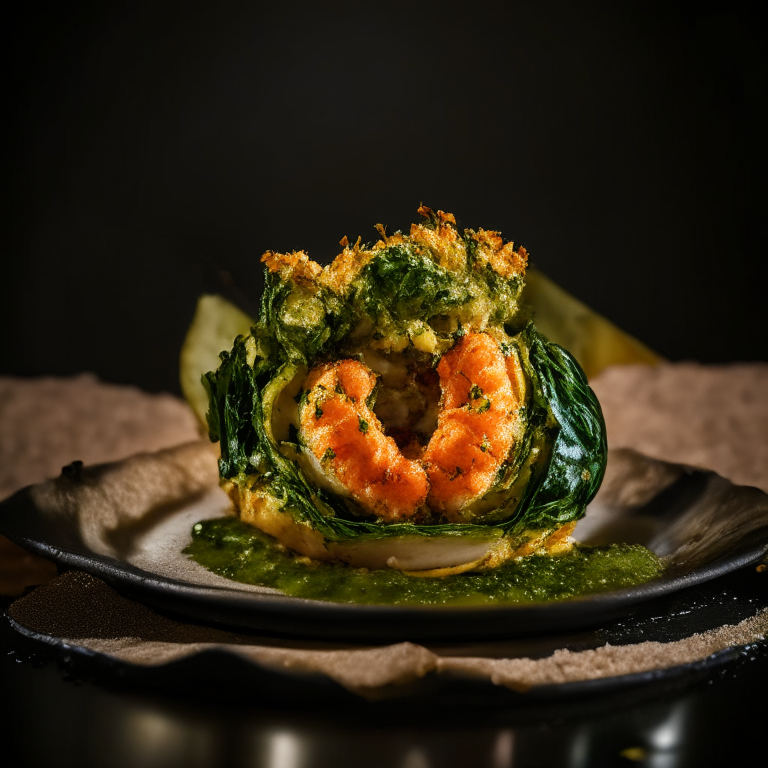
(702, 525)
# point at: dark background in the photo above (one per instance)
(157, 148)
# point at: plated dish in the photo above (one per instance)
(398, 410)
(700, 523)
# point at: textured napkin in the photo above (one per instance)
(681, 413)
(48, 423)
(709, 416)
(83, 611)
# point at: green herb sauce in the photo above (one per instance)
(241, 552)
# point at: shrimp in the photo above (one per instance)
(475, 429)
(347, 440)
(474, 435)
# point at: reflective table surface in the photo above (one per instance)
(63, 711)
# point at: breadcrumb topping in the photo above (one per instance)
(296, 266)
(438, 235)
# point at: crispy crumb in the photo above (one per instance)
(438, 234)
(295, 266)
(502, 258)
(340, 273)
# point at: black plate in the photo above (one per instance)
(703, 526)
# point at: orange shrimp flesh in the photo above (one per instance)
(348, 441)
(475, 428)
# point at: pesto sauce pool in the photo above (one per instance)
(240, 552)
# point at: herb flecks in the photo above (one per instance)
(484, 406)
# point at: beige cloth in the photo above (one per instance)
(50, 422)
(47, 423)
(709, 416)
(83, 611)
(714, 417)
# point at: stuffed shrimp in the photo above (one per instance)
(398, 408)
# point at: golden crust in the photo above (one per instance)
(555, 541)
(442, 237)
(502, 258)
(263, 511)
(340, 273)
(438, 234)
(296, 266)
